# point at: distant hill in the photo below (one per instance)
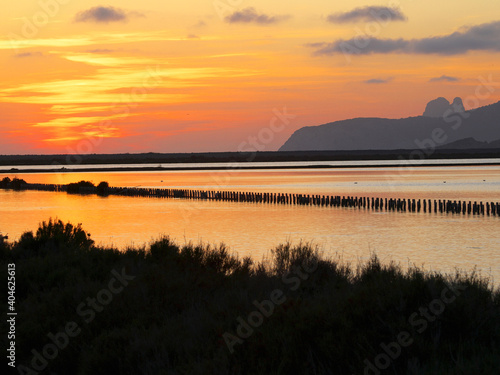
(471, 143)
(442, 124)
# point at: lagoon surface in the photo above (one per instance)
(440, 242)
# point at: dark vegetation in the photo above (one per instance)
(83, 187)
(261, 156)
(79, 187)
(102, 188)
(15, 183)
(173, 316)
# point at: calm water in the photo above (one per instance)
(439, 242)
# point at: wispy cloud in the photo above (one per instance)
(100, 50)
(67, 109)
(315, 45)
(368, 13)
(200, 23)
(95, 39)
(75, 128)
(71, 122)
(54, 42)
(378, 80)
(444, 78)
(101, 59)
(28, 54)
(250, 15)
(484, 37)
(105, 14)
(111, 81)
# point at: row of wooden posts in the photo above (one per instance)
(372, 203)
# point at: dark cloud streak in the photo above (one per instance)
(444, 78)
(250, 15)
(363, 46)
(378, 80)
(315, 45)
(485, 37)
(100, 50)
(368, 13)
(105, 14)
(28, 54)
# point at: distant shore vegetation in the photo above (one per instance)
(165, 308)
(81, 187)
(15, 183)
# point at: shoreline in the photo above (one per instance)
(234, 168)
(248, 156)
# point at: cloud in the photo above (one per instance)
(368, 13)
(378, 80)
(444, 78)
(250, 15)
(100, 50)
(193, 36)
(315, 45)
(200, 23)
(105, 14)
(484, 37)
(481, 37)
(28, 54)
(363, 46)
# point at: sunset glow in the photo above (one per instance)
(194, 76)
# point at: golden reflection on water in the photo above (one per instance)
(460, 183)
(439, 242)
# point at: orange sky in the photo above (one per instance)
(227, 75)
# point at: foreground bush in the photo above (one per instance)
(198, 309)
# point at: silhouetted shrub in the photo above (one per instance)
(54, 235)
(4, 246)
(286, 256)
(5, 182)
(75, 187)
(164, 249)
(16, 183)
(102, 188)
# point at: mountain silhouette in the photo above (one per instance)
(442, 123)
